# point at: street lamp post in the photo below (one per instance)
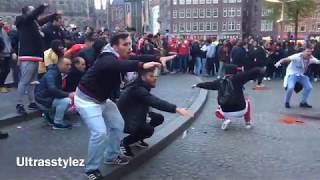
(281, 20)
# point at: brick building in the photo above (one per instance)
(213, 18)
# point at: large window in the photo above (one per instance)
(195, 13)
(267, 25)
(215, 12)
(202, 1)
(188, 1)
(182, 2)
(175, 28)
(233, 12)
(208, 1)
(201, 26)
(181, 13)
(174, 2)
(188, 27)
(239, 12)
(214, 26)
(215, 1)
(208, 26)
(174, 14)
(225, 12)
(188, 13)
(182, 27)
(195, 27)
(195, 1)
(208, 13)
(224, 26)
(231, 26)
(202, 13)
(238, 26)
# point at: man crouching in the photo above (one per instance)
(134, 105)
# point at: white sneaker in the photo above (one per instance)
(265, 79)
(269, 79)
(248, 125)
(225, 124)
(315, 80)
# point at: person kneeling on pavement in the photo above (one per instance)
(231, 100)
(51, 98)
(134, 105)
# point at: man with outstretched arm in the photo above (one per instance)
(100, 114)
(296, 73)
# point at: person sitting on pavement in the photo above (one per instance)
(134, 104)
(3, 135)
(51, 98)
(295, 73)
(231, 100)
(77, 70)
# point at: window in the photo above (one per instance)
(201, 26)
(201, 13)
(225, 11)
(208, 13)
(195, 13)
(181, 27)
(215, 12)
(208, 26)
(182, 2)
(232, 1)
(302, 28)
(175, 28)
(238, 1)
(181, 13)
(188, 13)
(174, 14)
(239, 12)
(225, 1)
(233, 12)
(208, 1)
(266, 12)
(215, 2)
(188, 1)
(231, 26)
(195, 1)
(267, 25)
(224, 26)
(188, 27)
(238, 26)
(214, 26)
(195, 27)
(202, 1)
(174, 2)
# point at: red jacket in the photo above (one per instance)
(173, 47)
(183, 49)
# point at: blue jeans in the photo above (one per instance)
(60, 107)
(305, 82)
(105, 124)
(197, 66)
(183, 63)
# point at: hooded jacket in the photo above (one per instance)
(103, 78)
(135, 102)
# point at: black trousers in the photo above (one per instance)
(210, 66)
(4, 69)
(146, 130)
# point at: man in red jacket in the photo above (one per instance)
(183, 54)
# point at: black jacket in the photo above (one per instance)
(50, 87)
(135, 102)
(73, 79)
(196, 50)
(103, 78)
(30, 36)
(51, 33)
(260, 56)
(238, 55)
(89, 55)
(238, 81)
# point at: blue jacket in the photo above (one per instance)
(50, 87)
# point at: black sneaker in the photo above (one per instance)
(94, 175)
(61, 126)
(4, 135)
(47, 118)
(33, 106)
(20, 109)
(126, 151)
(305, 105)
(142, 144)
(287, 105)
(118, 161)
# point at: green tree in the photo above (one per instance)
(294, 11)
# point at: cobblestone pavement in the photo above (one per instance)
(35, 139)
(269, 151)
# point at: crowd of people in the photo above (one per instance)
(106, 77)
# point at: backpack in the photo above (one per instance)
(226, 95)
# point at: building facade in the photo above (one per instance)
(212, 18)
(79, 12)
